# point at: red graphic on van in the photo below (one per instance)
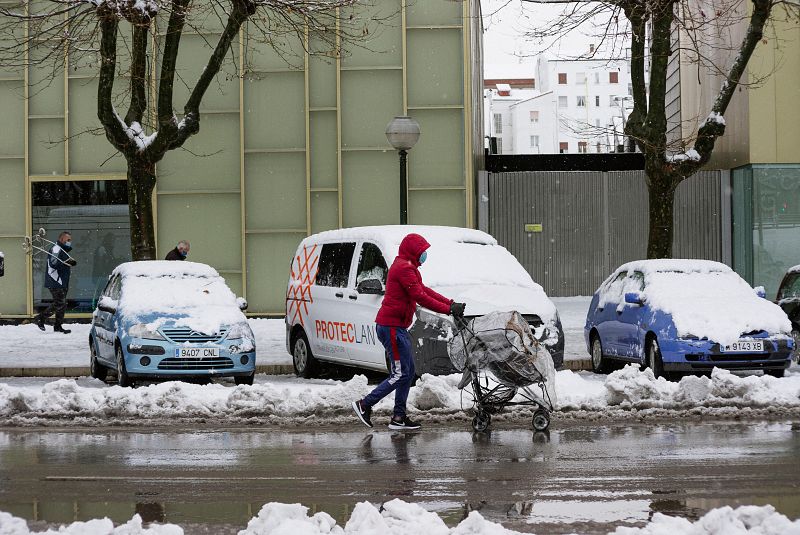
(299, 294)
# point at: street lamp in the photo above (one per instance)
(403, 133)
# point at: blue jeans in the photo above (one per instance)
(397, 343)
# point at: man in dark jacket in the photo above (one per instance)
(180, 252)
(404, 290)
(56, 279)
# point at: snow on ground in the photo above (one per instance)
(285, 399)
(397, 517)
(25, 346)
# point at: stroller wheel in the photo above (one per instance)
(541, 420)
(481, 421)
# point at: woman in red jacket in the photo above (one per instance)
(404, 291)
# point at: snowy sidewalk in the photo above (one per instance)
(25, 351)
(288, 400)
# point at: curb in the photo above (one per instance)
(268, 369)
(83, 371)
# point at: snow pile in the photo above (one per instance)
(630, 388)
(395, 517)
(744, 520)
(706, 299)
(192, 295)
(10, 525)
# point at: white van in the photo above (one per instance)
(336, 288)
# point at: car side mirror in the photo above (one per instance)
(242, 302)
(761, 292)
(370, 287)
(106, 304)
(634, 298)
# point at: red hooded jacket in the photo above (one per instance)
(404, 288)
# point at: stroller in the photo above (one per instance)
(501, 359)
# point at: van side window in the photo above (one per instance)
(334, 264)
(371, 264)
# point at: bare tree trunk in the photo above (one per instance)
(661, 196)
(141, 181)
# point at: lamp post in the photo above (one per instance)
(403, 133)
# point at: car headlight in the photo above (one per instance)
(140, 330)
(239, 331)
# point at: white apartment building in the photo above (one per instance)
(577, 106)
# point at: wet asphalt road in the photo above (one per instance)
(584, 477)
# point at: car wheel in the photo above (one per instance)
(122, 374)
(654, 361)
(599, 362)
(96, 370)
(776, 373)
(245, 379)
(305, 365)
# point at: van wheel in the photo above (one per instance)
(305, 365)
(599, 362)
(122, 374)
(96, 370)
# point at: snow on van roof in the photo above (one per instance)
(394, 234)
(165, 268)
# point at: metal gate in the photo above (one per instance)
(570, 229)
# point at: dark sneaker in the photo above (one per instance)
(40, 323)
(60, 329)
(364, 414)
(405, 423)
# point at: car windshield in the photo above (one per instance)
(790, 288)
(172, 294)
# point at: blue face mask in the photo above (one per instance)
(184, 254)
(423, 257)
(68, 245)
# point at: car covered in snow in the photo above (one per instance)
(336, 287)
(685, 316)
(788, 299)
(170, 320)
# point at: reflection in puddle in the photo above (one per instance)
(577, 511)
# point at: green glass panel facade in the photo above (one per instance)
(281, 152)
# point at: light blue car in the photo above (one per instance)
(170, 320)
(685, 316)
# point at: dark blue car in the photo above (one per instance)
(683, 316)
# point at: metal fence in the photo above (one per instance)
(570, 229)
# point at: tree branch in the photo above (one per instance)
(177, 19)
(111, 122)
(655, 128)
(138, 103)
(714, 126)
(634, 127)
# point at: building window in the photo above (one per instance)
(499, 145)
(95, 212)
(597, 100)
(562, 102)
(562, 78)
(597, 123)
(563, 147)
(580, 78)
(612, 101)
(597, 78)
(334, 264)
(535, 116)
(581, 101)
(498, 123)
(582, 147)
(630, 89)
(613, 77)
(535, 141)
